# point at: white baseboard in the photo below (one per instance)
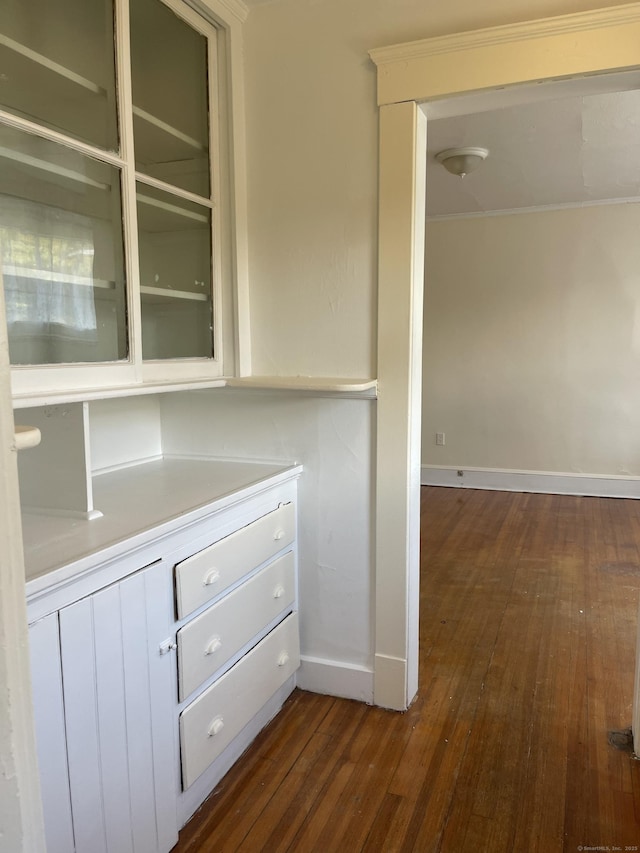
(542, 482)
(334, 678)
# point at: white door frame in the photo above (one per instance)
(409, 77)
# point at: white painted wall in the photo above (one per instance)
(312, 167)
(531, 355)
(124, 431)
(333, 439)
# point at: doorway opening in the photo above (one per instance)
(410, 77)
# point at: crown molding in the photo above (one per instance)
(507, 33)
(537, 208)
(221, 9)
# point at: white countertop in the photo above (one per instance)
(139, 503)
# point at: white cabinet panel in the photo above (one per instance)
(208, 641)
(81, 713)
(211, 721)
(116, 744)
(46, 675)
(205, 575)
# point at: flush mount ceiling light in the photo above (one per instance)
(461, 161)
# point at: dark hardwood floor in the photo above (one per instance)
(527, 649)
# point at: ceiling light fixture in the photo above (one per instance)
(461, 161)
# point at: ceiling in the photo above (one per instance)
(571, 150)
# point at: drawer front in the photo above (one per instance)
(203, 576)
(205, 643)
(210, 722)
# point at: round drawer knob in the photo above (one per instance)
(216, 727)
(213, 645)
(279, 534)
(278, 592)
(283, 660)
(211, 577)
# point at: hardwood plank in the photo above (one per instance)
(528, 621)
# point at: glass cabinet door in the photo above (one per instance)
(108, 225)
(171, 138)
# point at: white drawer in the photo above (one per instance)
(206, 574)
(210, 722)
(205, 643)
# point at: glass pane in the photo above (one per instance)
(57, 66)
(175, 275)
(61, 253)
(170, 113)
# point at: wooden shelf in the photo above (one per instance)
(167, 128)
(175, 209)
(52, 168)
(162, 293)
(49, 64)
(58, 278)
(316, 384)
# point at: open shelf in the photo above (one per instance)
(58, 277)
(154, 294)
(52, 168)
(49, 64)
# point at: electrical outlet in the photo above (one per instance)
(440, 439)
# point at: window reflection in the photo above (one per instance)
(61, 253)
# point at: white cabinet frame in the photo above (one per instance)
(410, 77)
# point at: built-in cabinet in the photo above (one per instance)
(113, 247)
(102, 690)
(158, 656)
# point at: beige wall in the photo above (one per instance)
(532, 341)
(312, 167)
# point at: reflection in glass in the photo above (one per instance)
(59, 75)
(61, 253)
(175, 275)
(170, 113)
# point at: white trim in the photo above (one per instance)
(540, 208)
(335, 678)
(540, 482)
(216, 11)
(568, 46)
(402, 204)
(595, 19)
